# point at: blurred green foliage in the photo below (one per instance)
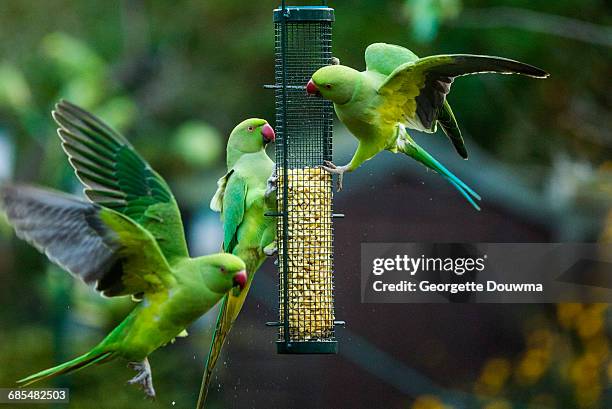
(426, 16)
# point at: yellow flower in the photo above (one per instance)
(540, 339)
(567, 314)
(428, 402)
(589, 397)
(591, 321)
(493, 376)
(533, 365)
(585, 371)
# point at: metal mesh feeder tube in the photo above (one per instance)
(304, 191)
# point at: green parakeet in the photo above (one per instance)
(244, 194)
(128, 239)
(399, 90)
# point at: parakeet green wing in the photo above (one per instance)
(448, 123)
(234, 203)
(230, 199)
(385, 58)
(96, 244)
(415, 92)
(117, 177)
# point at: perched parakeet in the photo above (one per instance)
(399, 90)
(243, 196)
(128, 240)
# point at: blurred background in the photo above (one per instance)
(177, 76)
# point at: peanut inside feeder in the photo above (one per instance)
(309, 250)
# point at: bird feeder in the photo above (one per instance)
(303, 37)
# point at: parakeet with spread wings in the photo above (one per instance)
(399, 90)
(127, 239)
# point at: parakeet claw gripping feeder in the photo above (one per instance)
(304, 190)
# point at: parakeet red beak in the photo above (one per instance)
(268, 133)
(240, 279)
(312, 89)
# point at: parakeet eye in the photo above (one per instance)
(222, 269)
(328, 86)
(250, 128)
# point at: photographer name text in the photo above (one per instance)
(421, 265)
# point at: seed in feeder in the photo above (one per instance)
(309, 250)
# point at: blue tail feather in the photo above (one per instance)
(413, 150)
(465, 194)
(458, 183)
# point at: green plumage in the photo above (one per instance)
(399, 90)
(450, 127)
(127, 240)
(248, 233)
(117, 177)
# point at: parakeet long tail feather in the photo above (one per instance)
(230, 308)
(431, 162)
(76, 364)
(465, 194)
(413, 150)
(221, 330)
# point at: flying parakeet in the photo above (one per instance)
(399, 90)
(243, 196)
(128, 239)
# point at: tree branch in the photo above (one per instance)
(529, 20)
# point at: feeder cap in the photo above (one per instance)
(304, 13)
